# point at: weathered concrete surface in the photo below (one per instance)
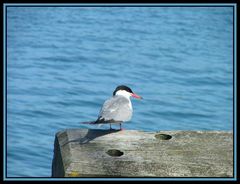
(131, 153)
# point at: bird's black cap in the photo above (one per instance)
(122, 87)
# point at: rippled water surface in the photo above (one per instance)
(64, 62)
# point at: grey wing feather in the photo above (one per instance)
(116, 108)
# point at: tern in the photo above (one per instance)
(117, 109)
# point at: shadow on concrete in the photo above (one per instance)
(92, 134)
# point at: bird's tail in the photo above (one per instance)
(88, 122)
(98, 122)
(93, 122)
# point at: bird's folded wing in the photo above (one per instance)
(114, 108)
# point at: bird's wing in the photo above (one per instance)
(116, 108)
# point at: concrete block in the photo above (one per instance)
(132, 153)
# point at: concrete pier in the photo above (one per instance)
(132, 153)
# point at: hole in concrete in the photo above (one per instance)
(163, 136)
(114, 153)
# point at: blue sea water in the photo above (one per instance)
(64, 62)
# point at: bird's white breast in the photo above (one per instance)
(127, 95)
(130, 104)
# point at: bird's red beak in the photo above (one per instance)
(136, 96)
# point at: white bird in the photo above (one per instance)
(118, 108)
